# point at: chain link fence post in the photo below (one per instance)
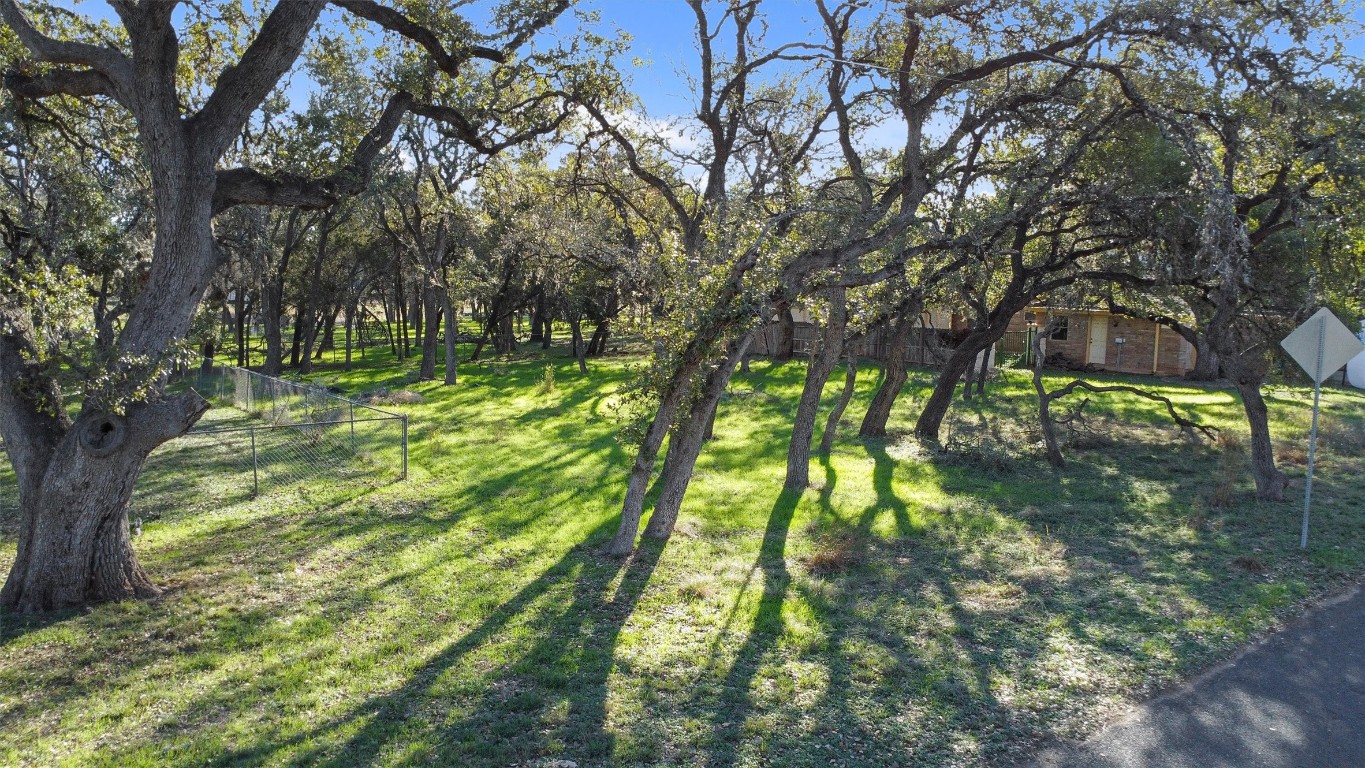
(255, 471)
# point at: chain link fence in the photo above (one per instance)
(9, 493)
(268, 433)
(262, 433)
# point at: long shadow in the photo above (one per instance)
(512, 715)
(736, 698)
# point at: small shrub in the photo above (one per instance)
(989, 446)
(1344, 437)
(547, 380)
(835, 555)
(1231, 466)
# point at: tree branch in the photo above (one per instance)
(241, 88)
(238, 186)
(110, 62)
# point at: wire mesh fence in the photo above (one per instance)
(9, 491)
(267, 433)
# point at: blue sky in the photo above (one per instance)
(662, 37)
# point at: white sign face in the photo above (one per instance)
(1323, 331)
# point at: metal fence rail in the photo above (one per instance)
(266, 432)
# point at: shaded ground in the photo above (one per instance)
(1296, 700)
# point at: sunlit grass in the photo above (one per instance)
(907, 608)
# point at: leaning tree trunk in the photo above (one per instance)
(685, 444)
(823, 364)
(1270, 481)
(841, 405)
(672, 395)
(879, 410)
(962, 360)
(632, 509)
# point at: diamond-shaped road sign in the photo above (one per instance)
(1322, 334)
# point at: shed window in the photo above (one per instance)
(1059, 333)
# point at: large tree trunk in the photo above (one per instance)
(823, 364)
(893, 379)
(271, 309)
(74, 547)
(75, 483)
(685, 444)
(1206, 367)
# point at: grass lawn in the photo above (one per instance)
(910, 608)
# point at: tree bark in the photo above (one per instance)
(841, 405)
(685, 444)
(786, 333)
(1270, 481)
(893, 379)
(350, 329)
(431, 300)
(240, 323)
(538, 311)
(579, 349)
(821, 366)
(1206, 367)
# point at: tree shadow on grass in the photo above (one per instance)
(735, 699)
(546, 698)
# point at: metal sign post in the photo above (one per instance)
(1320, 346)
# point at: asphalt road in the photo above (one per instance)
(1295, 700)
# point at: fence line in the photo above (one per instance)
(272, 432)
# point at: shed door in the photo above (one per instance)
(1099, 340)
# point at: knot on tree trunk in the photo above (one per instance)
(103, 435)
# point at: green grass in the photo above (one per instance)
(940, 610)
